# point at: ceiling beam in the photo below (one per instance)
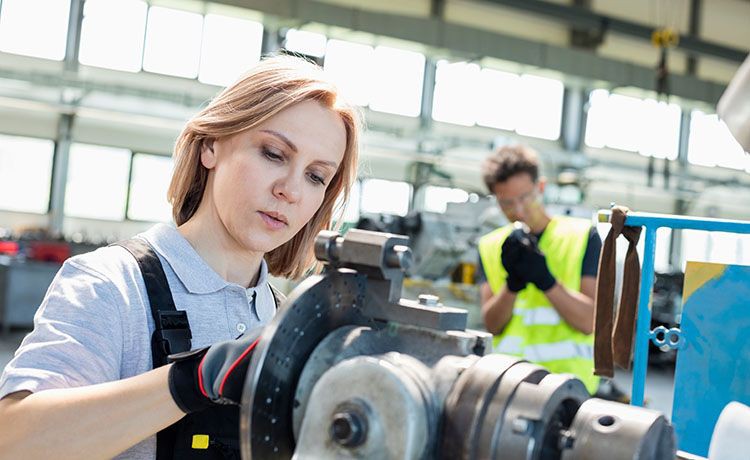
(577, 16)
(475, 43)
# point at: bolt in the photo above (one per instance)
(566, 441)
(520, 425)
(429, 300)
(400, 256)
(347, 429)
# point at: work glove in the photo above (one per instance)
(212, 375)
(532, 263)
(510, 256)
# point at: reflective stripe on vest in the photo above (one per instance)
(536, 331)
(540, 316)
(510, 345)
(558, 350)
(542, 352)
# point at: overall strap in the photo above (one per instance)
(172, 333)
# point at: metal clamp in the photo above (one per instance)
(671, 338)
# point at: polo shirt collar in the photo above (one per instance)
(190, 268)
(265, 303)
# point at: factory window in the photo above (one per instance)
(436, 199)
(711, 143)
(500, 96)
(35, 28)
(112, 34)
(398, 78)
(387, 79)
(97, 182)
(715, 247)
(230, 47)
(304, 42)
(466, 95)
(349, 66)
(456, 93)
(645, 126)
(661, 252)
(540, 111)
(351, 211)
(148, 188)
(385, 196)
(173, 42)
(25, 173)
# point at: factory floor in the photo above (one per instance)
(659, 381)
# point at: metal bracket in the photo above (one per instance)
(383, 257)
(671, 338)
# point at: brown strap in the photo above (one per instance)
(622, 339)
(619, 343)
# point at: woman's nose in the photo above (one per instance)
(288, 188)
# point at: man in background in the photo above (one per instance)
(538, 273)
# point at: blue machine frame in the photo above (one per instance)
(661, 336)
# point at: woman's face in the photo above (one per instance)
(266, 183)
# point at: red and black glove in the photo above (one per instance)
(213, 375)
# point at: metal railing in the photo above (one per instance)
(643, 334)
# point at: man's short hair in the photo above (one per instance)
(508, 161)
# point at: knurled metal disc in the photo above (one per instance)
(316, 307)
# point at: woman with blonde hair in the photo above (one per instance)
(107, 366)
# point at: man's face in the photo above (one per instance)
(519, 198)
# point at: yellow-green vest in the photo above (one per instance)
(536, 331)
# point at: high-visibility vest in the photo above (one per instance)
(536, 332)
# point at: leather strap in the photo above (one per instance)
(613, 340)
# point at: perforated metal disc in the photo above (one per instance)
(316, 307)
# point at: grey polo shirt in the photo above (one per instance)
(94, 324)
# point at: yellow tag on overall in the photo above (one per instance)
(200, 441)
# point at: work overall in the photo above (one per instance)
(209, 434)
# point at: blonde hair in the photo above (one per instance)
(273, 85)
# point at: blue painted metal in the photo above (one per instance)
(712, 367)
(663, 337)
(644, 219)
(643, 326)
(690, 395)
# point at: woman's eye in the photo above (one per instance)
(272, 155)
(317, 179)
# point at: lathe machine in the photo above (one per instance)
(349, 369)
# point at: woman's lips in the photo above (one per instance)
(271, 222)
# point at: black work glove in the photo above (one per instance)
(511, 257)
(213, 375)
(533, 263)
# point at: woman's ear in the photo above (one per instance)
(208, 155)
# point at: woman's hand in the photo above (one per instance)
(201, 378)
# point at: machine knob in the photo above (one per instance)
(327, 246)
